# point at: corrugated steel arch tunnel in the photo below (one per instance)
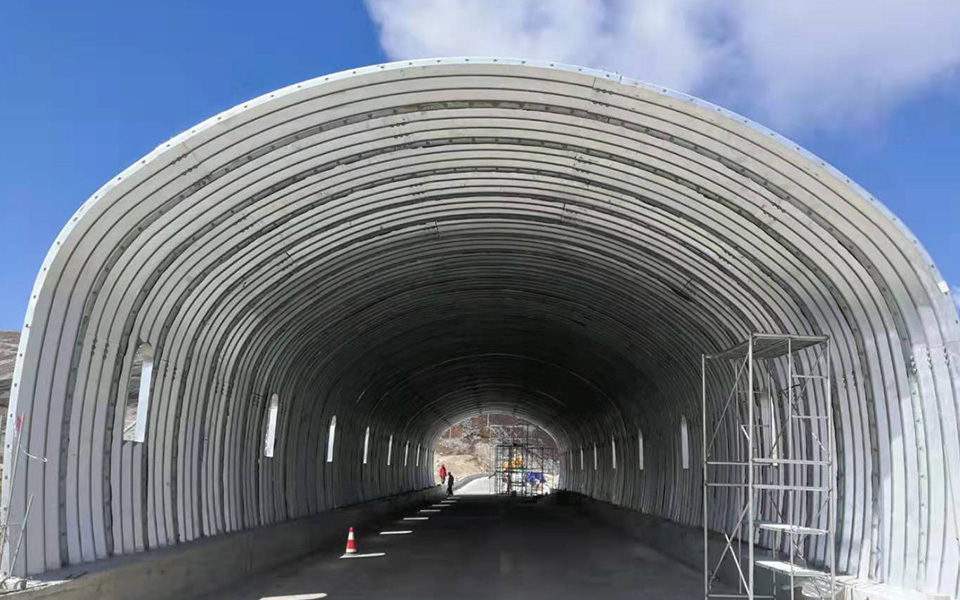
(405, 245)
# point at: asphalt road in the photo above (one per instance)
(483, 547)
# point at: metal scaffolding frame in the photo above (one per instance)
(769, 452)
(522, 470)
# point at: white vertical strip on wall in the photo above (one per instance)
(331, 436)
(613, 451)
(406, 452)
(271, 437)
(390, 450)
(594, 456)
(768, 413)
(640, 447)
(135, 428)
(366, 445)
(684, 442)
(143, 394)
(581, 458)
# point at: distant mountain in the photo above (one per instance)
(8, 358)
(8, 352)
(469, 447)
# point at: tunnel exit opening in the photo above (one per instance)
(498, 453)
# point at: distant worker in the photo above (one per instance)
(443, 474)
(450, 484)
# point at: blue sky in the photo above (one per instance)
(85, 92)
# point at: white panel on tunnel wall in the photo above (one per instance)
(768, 416)
(270, 438)
(366, 445)
(137, 404)
(581, 459)
(418, 455)
(613, 451)
(640, 448)
(594, 457)
(331, 436)
(406, 453)
(390, 450)
(684, 443)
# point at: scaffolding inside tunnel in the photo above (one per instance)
(769, 452)
(523, 467)
(523, 470)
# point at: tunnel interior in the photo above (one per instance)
(404, 246)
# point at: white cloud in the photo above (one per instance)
(810, 63)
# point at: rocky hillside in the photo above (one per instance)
(8, 356)
(469, 446)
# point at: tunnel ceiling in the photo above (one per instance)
(406, 245)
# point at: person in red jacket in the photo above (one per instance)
(443, 474)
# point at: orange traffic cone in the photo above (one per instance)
(351, 543)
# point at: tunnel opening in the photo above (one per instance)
(498, 453)
(388, 250)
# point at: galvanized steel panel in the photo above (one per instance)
(408, 244)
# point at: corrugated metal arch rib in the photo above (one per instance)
(404, 245)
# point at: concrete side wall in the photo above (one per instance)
(193, 569)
